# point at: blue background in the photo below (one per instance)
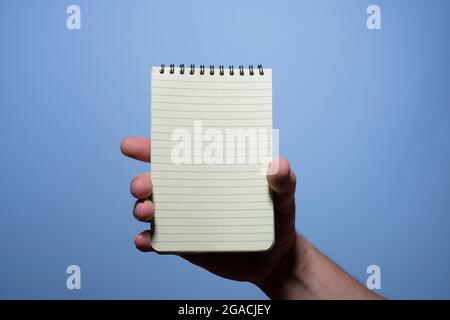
(363, 117)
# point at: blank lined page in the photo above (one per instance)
(211, 146)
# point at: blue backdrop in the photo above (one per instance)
(363, 118)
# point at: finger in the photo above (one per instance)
(141, 186)
(143, 241)
(144, 210)
(280, 176)
(282, 181)
(136, 148)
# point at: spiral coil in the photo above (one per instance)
(192, 69)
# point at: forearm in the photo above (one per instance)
(306, 273)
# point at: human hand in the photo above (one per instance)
(258, 268)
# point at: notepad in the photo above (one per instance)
(211, 131)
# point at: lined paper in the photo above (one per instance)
(202, 206)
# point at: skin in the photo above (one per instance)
(293, 269)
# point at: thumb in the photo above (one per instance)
(282, 181)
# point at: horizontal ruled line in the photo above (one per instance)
(217, 164)
(247, 201)
(195, 233)
(173, 179)
(211, 171)
(212, 195)
(212, 89)
(213, 218)
(212, 210)
(202, 118)
(197, 171)
(211, 111)
(209, 187)
(209, 81)
(177, 141)
(217, 126)
(199, 149)
(215, 241)
(207, 96)
(214, 225)
(212, 104)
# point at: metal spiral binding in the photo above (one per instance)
(211, 69)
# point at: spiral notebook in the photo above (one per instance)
(211, 131)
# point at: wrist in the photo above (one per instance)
(304, 273)
(286, 281)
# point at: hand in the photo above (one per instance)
(257, 268)
(293, 269)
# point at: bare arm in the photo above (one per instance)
(308, 274)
